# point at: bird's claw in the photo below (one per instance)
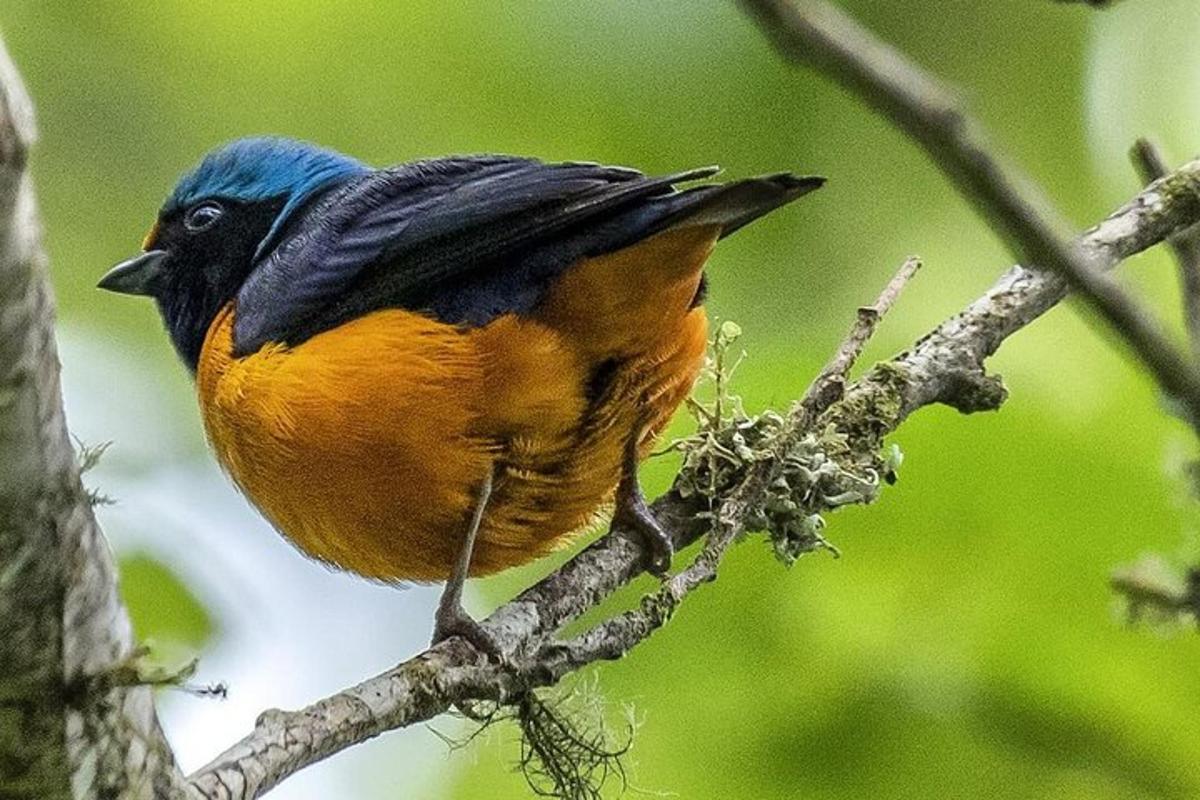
(633, 513)
(453, 620)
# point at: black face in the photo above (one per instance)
(197, 258)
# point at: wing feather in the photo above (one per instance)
(467, 238)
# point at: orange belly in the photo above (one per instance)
(366, 444)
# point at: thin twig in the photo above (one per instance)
(827, 388)
(1152, 585)
(1150, 164)
(817, 34)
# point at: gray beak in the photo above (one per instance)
(139, 275)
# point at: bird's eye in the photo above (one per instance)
(202, 216)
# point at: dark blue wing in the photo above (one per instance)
(468, 238)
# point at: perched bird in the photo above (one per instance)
(444, 368)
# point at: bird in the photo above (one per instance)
(440, 369)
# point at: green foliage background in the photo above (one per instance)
(966, 644)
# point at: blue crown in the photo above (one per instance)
(263, 168)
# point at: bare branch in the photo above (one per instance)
(945, 366)
(817, 34)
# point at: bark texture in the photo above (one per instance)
(66, 731)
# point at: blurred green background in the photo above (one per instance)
(966, 645)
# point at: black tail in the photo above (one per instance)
(732, 205)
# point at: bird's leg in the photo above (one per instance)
(451, 618)
(631, 510)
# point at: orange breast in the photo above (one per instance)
(366, 444)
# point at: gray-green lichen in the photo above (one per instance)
(1180, 191)
(811, 471)
(875, 408)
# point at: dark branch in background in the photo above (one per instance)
(818, 35)
(1154, 589)
(1151, 166)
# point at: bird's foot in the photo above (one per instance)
(632, 511)
(452, 620)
